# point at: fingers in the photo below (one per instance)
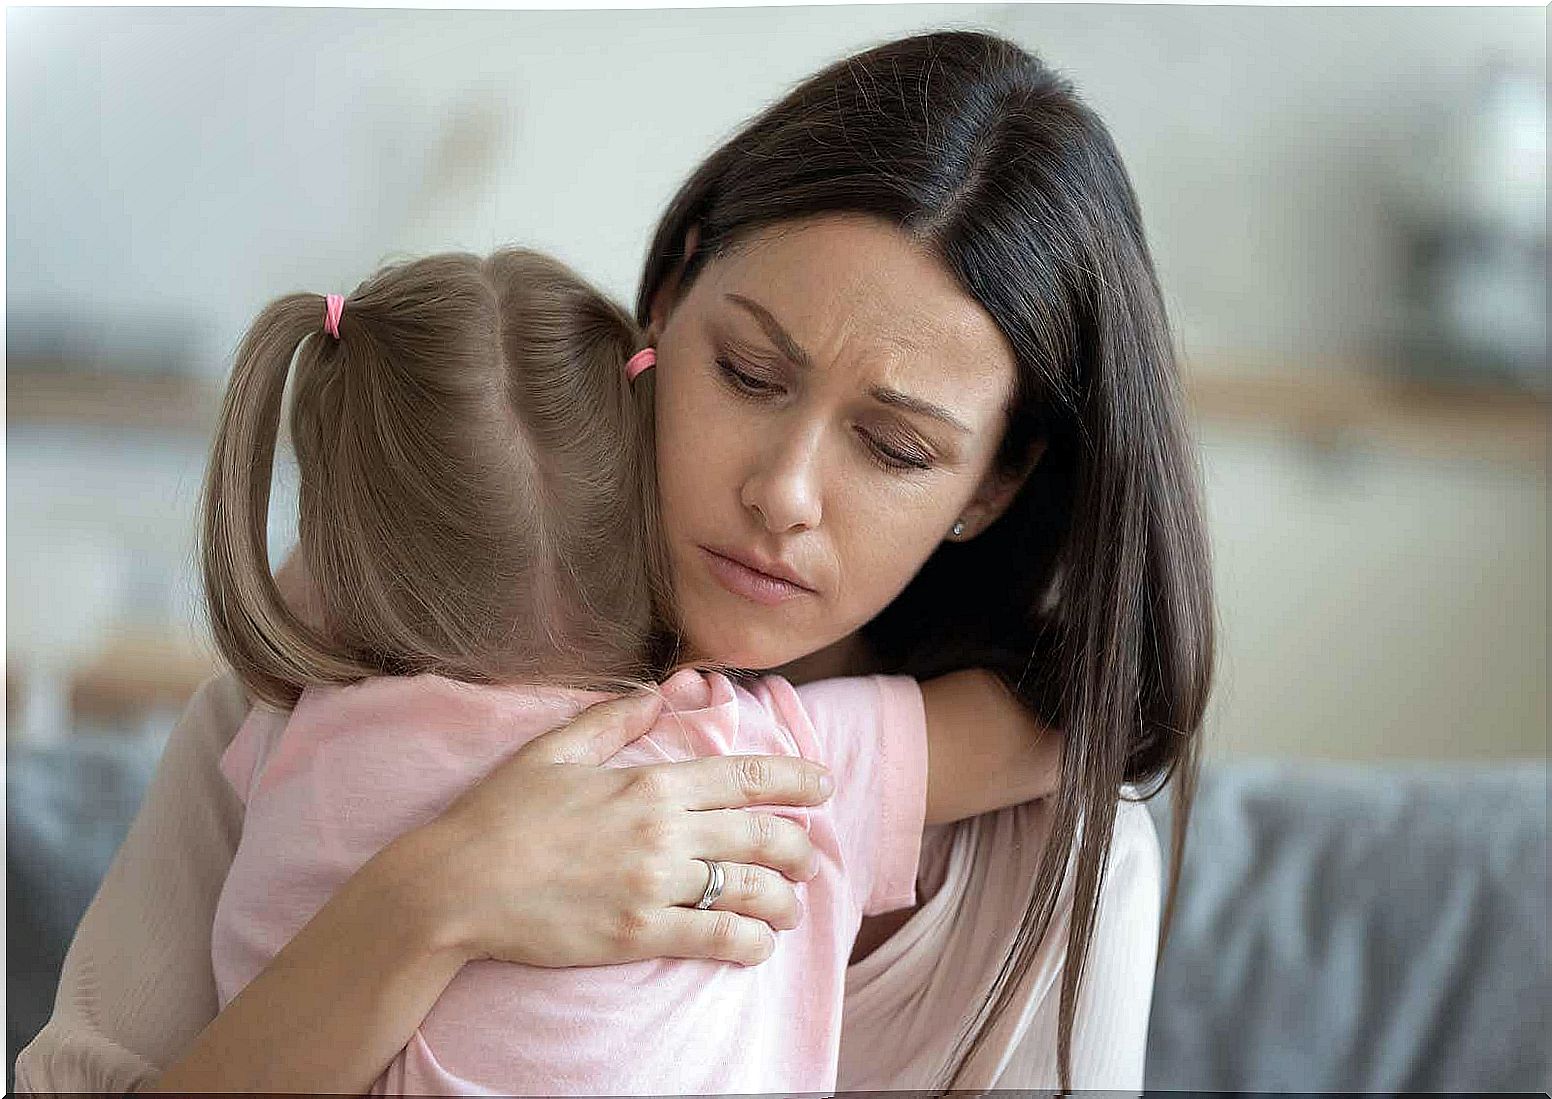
(599, 731)
(692, 933)
(758, 839)
(728, 782)
(756, 891)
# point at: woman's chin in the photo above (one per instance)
(742, 648)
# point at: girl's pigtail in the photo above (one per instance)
(267, 643)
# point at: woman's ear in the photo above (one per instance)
(666, 296)
(995, 494)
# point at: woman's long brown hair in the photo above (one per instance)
(1092, 595)
(477, 484)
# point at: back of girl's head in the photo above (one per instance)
(475, 483)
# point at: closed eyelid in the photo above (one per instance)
(909, 452)
(902, 434)
(746, 357)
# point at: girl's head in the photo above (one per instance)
(476, 483)
(940, 225)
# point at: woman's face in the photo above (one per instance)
(829, 403)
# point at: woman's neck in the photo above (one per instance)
(849, 656)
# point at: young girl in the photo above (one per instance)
(477, 517)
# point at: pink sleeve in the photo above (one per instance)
(873, 733)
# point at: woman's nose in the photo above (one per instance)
(784, 490)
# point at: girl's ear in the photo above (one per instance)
(666, 296)
(996, 493)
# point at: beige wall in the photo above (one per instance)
(1376, 606)
(196, 162)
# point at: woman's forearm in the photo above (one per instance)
(985, 750)
(334, 1007)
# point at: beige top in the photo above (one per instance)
(137, 985)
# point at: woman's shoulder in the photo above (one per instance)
(110, 1028)
(216, 709)
(1134, 844)
(1134, 863)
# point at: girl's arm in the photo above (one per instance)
(984, 750)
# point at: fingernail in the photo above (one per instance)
(826, 785)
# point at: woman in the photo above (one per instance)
(950, 412)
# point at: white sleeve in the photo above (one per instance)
(137, 985)
(1110, 1025)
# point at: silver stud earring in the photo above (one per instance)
(959, 528)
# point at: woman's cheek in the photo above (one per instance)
(679, 425)
(692, 420)
(884, 550)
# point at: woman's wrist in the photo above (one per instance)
(412, 878)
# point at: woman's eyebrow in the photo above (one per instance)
(789, 347)
(885, 395)
(793, 352)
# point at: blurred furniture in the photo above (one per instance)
(1326, 402)
(126, 681)
(105, 475)
(1336, 406)
(68, 805)
(170, 403)
(1358, 928)
(132, 673)
(1339, 928)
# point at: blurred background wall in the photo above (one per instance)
(1347, 208)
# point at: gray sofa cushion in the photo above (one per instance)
(1358, 928)
(1339, 928)
(68, 807)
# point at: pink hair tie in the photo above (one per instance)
(644, 359)
(333, 306)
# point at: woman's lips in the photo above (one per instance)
(756, 586)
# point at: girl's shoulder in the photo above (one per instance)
(397, 725)
(842, 699)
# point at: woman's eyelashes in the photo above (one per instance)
(897, 456)
(744, 382)
(900, 458)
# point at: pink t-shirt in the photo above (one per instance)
(354, 767)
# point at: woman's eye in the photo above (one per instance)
(745, 383)
(894, 458)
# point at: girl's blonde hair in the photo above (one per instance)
(477, 494)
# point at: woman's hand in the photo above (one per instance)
(556, 860)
